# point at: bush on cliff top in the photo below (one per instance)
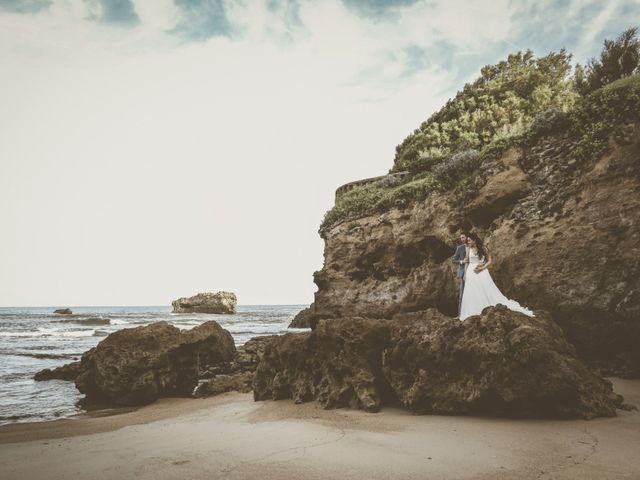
(601, 113)
(619, 58)
(513, 103)
(376, 197)
(507, 95)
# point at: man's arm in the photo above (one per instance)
(458, 256)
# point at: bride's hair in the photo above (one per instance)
(482, 252)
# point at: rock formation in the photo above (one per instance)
(563, 234)
(128, 376)
(303, 318)
(208, 302)
(136, 366)
(497, 363)
(67, 372)
(237, 374)
(63, 311)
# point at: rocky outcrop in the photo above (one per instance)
(208, 302)
(564, 236)
(497, 363)
(337, 364)
(235, 375)
(63, 311)
(217, 373)
(136, 366)
(303, 318)
(67, 372)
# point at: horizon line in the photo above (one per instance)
(164, 305)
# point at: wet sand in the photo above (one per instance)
(233, 437)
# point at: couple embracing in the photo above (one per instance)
(477, 290)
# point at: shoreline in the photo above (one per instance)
(231, 436)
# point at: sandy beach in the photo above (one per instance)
(233, 437)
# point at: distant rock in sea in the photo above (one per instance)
(63, 311)
(207, 302)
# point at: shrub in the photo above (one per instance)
(505, 98)
(619, 58)
(548, 122)
(456, 167)
(427, 160)
(367, 199)
(598, 114)
(357, 201)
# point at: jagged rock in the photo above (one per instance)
(303, 318)
(564, 237)
(63, 311)
(237, 374)
(498, 363)
(207, 302)
(338, 364)
(66, 372)
(138, 365)
(221, 383)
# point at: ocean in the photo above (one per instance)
(33, 338)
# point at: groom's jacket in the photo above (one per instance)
(458, 257)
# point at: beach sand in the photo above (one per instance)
(233, 437)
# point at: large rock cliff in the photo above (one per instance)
(564, 235)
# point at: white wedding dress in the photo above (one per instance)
(480, 291)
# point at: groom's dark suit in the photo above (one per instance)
(458, 257)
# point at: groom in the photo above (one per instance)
(458, 257)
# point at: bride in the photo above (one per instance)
(479, 290)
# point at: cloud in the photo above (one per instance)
(202, 19)
(113, 12)
(24, 6)
(377, 8)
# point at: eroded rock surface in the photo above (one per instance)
(238, 373)
(337, 364)
(66, 372)
(497, 363)
(138, 365)
(207, 302)
(564, 235)
(303, 318)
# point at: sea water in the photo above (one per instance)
(33, 338)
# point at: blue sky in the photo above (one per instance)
(152, 149)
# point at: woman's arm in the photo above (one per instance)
(485, 265)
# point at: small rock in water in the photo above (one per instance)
(207, 302)
(63, 311)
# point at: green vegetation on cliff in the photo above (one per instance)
(502, 102)
(512, 103)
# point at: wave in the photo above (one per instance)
(49, 332)
(46, 356)
(87, 321)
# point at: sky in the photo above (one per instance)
(154, 149)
